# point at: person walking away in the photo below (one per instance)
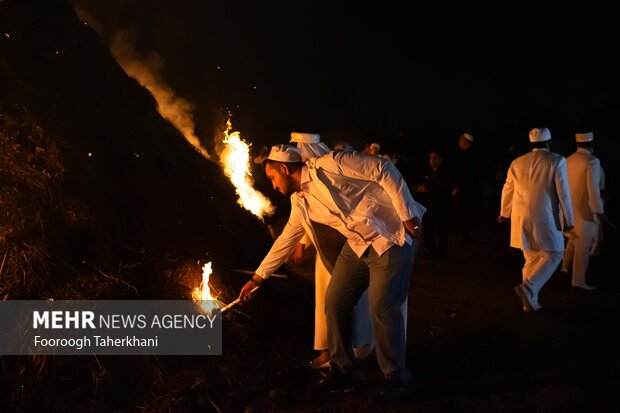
(536, 200)
(584, 181)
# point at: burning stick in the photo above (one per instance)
(237, 301)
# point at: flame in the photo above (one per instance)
(235, 159)
(207, 302)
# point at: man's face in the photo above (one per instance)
(463, 142)
(277, 172)
(435, 160)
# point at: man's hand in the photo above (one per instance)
(502, 220)
(246, 292)
(413, 227)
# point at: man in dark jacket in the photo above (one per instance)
(436, 221)
(465, 184)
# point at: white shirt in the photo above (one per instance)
(364, 197)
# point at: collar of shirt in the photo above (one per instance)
(584, 150)
(540, 149)
(305, 176)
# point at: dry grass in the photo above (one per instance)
(31, 173)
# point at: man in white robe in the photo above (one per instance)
(584, 181)
(536, 199)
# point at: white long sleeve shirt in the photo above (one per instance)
(364, 197)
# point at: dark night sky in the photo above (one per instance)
(380, 72)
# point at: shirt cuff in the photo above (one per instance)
(262, 274)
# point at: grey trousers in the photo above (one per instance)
(387, 279)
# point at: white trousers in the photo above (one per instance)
(363, 337)
(577, 255)
(538, 268)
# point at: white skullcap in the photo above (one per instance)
(376, 145)
(305, 137)
(468, 137)
(284, 153)
(540, 135)
(584, 137)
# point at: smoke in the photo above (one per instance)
(232, 151)
(145, 70)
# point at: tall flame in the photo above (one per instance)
(235, 159)
(202, 294)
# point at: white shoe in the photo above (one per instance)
(585, 287)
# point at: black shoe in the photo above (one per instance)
(395, 393)
(336, 381)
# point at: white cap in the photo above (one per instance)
(584, 137)
(376, 145)
(468, 137)
(305, 137)
(284, 153)
(540, 135)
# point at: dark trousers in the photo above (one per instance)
(436, 225)
(387, 279)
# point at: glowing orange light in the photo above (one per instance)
(202, 294)
(235, 159)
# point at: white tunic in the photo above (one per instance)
(536, 198)
(584, 181)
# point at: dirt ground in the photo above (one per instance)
(471, 348)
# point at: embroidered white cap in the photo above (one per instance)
(468, 137)
(284, 153)
(540, 135)
(584, 137)
(305, 137)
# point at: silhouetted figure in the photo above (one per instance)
(465, 184)
(437, 188)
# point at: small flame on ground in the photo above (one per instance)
(235, 159)
(202, 294)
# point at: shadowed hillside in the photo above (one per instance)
(96, 174)
(100, 198)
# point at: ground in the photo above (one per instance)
(471, 348)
